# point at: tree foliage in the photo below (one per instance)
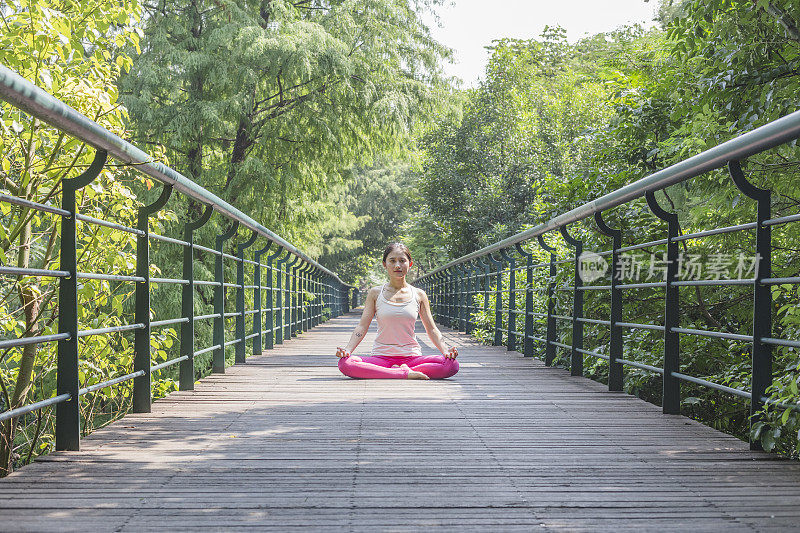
(74, 51)
(554, 125)
(518, 143)
(269, 102)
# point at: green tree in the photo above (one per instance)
(381, 197)
(519, 144)
(75, 52)
(266, 103)
(713, 71)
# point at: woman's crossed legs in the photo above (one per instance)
(380, 367)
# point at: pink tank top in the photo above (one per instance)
(396, 322)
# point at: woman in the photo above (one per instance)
(396, 353)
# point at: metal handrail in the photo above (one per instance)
(26, 96)
(330, 294)
(452, 287)
(763, 138)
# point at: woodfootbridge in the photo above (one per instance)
(519, 439)
(285, 441)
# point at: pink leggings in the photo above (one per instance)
(380, 367)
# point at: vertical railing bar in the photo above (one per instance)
(142, 385)
(615, 369)
(187, 370)
(550, 348)
(470, 295)
(761, 354)
(487, 284)
(576, 361)
(671, 402)
(241, 318)
(218, 362)
(527, 342)
(497, 339)
(68, 420)
(258, 317)
(279, 294)
(291, 288)
(272, 299)
(461, 320)
(511, 318)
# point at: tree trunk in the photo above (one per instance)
(241, 146)
(29, 298)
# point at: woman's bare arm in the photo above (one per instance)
(363, 325)
(430, 327)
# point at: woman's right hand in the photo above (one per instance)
(342, 353)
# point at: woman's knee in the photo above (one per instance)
(345, 366)
(451, 367)
(447, 368)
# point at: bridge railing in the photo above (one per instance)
(523, 298)
(290, 291)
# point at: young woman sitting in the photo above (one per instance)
(396, 354)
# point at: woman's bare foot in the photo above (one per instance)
(413, 374)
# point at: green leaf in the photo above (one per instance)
(768, 441)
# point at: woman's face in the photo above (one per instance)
(397, 264)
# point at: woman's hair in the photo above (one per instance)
(392, 246)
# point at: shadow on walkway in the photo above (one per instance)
(507, 444)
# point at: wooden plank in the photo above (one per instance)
(286, 442)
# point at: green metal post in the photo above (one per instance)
(241, 318)
(761, 354)
(297, 326)
(671, 402)
(68, 419)
(576, 361)
(615, 369)
(487, 284)
(141, 344)
(187, 371)
(512, 300)
(434, 297)
(320, 296)
(291, 287)
(218, 365)
(307, 288)
(279, 297)
(471, 280)
(498, 301)
(272, 299)
(312, 277)
(301, 296)
(451, 298)
(335, 297)
(258, 317)
(527, 342)
(461, 304)
(441, 295)
(550, 348)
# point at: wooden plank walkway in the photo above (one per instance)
(286, 442)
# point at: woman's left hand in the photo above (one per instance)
(452, 353)
(341, 353)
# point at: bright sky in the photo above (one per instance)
(470, 25)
